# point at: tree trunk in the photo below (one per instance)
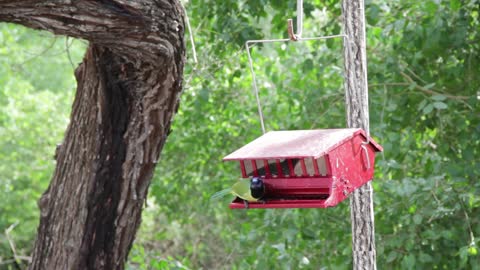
(356, 88)
(128, 91)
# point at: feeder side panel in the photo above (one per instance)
(351, 168)
(333, 162)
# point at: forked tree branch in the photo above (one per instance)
(110, 23)
(128, 91)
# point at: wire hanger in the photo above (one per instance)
(295, 37)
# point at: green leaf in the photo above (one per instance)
(455, 5)
(428, 109)
(409, 261)
(417, 219)
(425, 258)
(429, 86)
(392, 256)
(422, 104)
(440, 105)
(439, 97)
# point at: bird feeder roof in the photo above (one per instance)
(297, 144)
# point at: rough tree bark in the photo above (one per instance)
(128, 91)
(356, 88)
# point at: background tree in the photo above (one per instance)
(128, 91)
(356, 102)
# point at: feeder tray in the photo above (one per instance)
(307, 168)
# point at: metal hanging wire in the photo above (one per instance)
(252, 71)
(292, 37)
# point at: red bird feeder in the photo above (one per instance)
(307, 168)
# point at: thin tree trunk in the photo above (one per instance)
(128, 91)
(356, 86)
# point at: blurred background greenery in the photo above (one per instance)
(423, 67)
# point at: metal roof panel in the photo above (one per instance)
(296, 144)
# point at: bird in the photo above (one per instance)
(248, 191)
(257, 188)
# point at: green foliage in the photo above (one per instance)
(423, 77)
(36, 89)
(432, 192)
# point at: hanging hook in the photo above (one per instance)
(296, 36)
(291, 33)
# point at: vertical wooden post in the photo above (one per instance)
(356, 97)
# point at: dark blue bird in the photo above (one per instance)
(257, 188)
